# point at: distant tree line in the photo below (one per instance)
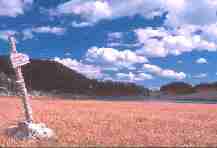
(111, 88)
(180, 88)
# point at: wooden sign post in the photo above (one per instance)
(26, 129)
(18, 60)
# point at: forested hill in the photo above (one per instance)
(179, 88)
(51, 76)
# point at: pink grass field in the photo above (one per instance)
(107, 123)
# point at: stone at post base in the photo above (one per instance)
(28, 131)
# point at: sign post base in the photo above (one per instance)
(27, 130)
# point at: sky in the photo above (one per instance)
(147, 42)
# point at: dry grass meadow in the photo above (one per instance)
(105, 123)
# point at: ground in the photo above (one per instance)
(107, 123)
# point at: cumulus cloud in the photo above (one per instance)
(133, 77)
(91, 71)
(165, 73)
(117, 40)
(94, 11)
(201, 61)
(90, 11)
(209, 32)
(159, 42)
(188, 31)
(111, 56)
(183, 20)
(122, 45)
(178, 12)
(12, 8)
(48, 29)
(28, 33)
(81, 25)
(191, 12)
(115, 36)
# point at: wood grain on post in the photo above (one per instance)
(21, 84)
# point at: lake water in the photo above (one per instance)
(171, 99)
(201, 101)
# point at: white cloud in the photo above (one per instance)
(133, 77)
(199, 76)
(122, 44)
(184, 19)
(196, 12)
(179, 12)
(160, 42)
(179, 61)
(94, 11)
(115, 36)
(125, 76)
(4, 34)
(90, 11)
(110, 56)
(115, 39)
(81, 25)
(201, 61)
(27, 34)
(209, 32)
(110, 69)
(12, 8)
(48, 29)
(90, 71)
(143, 76)
(166, 73)
(93, 71)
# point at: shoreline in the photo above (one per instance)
(122, 99)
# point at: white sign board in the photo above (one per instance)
(19, 59)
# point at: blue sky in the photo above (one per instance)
(143, 41)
